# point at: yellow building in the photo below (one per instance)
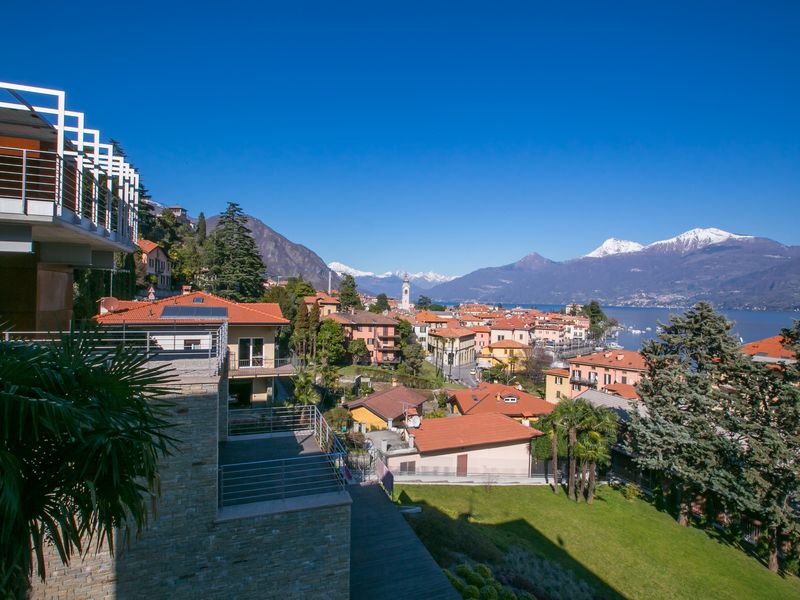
(510, 353)
(556, 383)
(385, 409)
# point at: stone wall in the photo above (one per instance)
(187, 552)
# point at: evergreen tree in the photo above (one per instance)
(165, 231)
(406, 333)
(381, 304)
(201, 229)
(331, 342)
(358, 351)
(412, 359)
(234, 264)
(301, 332)
(679, 435)
(348, 293)
(186, 257)
(145, 213)
(423, 303)
(313, 327)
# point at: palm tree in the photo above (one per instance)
(572, 413)
(552, 423)
(599, 432)
(83, 432)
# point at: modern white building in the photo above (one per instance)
(67, 200)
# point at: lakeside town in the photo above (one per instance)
(193, 406)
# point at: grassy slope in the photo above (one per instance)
(633, 550)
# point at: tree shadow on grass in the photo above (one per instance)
(450, 539)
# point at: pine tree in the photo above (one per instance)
(235, 267)
(348, 293)
(331, 342)
(313, 327)
(381, 304)
(679, 434)
(201, 229)
(300, 333)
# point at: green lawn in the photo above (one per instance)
(623, 549)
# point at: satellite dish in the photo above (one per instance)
(413, 421)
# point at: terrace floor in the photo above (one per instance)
(250, 448)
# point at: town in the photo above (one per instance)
(194, 405)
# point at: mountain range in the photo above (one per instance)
(727, 269)
(283, 257)
(390, 282)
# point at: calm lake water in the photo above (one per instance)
(749, 325)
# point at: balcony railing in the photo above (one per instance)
(583, 381)
(195, 350)
(259, 365)
(282, 478)
(43, 183)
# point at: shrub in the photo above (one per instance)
(471, 592)
(546, 578)
(631, 492)
(484, 571)
(525, 596)
(507, 594)
(457, 583)
(463, 570)
(476, 580)
(488, 593)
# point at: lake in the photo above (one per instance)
(749, 325)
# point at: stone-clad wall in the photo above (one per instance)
(187, 553)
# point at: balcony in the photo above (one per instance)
(258, 366)
(583, 381)
(276, 457)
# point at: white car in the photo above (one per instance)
(473, 372)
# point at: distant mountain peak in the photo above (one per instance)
(343, 269)
(697, 238)
(429, 276)
(534, 260)
(614, 246)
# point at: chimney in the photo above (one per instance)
(186, 289)
(394, 382)
(411, 441)
(620, 356)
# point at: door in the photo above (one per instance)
(461, 465)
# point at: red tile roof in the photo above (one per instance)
(613, 359)
(490, 398)
(623, 390)
(509, 344)
(391, 403)
(425, 316)
(320, 297)
(451, 332)
(362, 317)
(772, 347)
(481, 329)
(509, 324)
(557, 372)
(147, 246)
(454, 433)
(149, 313)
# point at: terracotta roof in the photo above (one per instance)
(557, 372)
(361, 317)
(489, 398)
(147, 246)
(320, 297)
(509, 344)
(452, 332)
(772, 347)
(453, 433)
(615, 359)
(148, 313)
(428, 317)
(481, 329)
(509, 324)
(624, 390)
(389, 404)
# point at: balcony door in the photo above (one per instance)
(251, 352)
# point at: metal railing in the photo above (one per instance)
(257, 364)
(35, 178)
(282, 478)
(197, 349)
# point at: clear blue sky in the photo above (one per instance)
(442, 136)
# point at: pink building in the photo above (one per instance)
(602, 369)
(378, 332)
(157, 264)
(483, 337)
(548, 335)
(510, 329)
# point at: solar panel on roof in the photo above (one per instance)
(216, 313)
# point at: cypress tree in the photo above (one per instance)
(348, 293)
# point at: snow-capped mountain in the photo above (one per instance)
(429, 276)
(695, 239)
(614, 246)
(391, 282)
(343, 269)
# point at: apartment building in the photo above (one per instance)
(67, 200)
(379, 332)
(452, 346)
(510, 329)
(601, 369)
(509, 353)
(157, 264)
(327, 304)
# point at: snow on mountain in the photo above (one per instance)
(430, 276)
(614, 246)
(696, 238)
(342, 269)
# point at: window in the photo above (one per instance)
(559, 380)
(576, 374)
(500, 338)
(251, 352)
(606, 379)
(191, 344)
(408, 466)
(198, 299)
(624, 379)
(510, 399)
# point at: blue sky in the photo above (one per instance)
(442, 136)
